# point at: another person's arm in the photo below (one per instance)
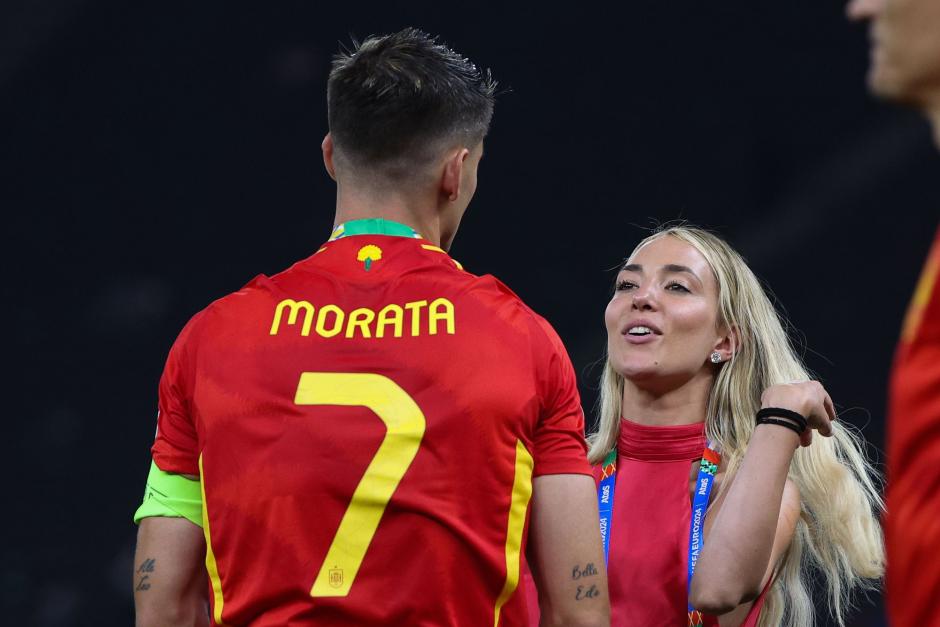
(567, 559)
(170, 582)
(566, 555)
(170, 585)
(756, 519)
(911, 530)
(170, 579)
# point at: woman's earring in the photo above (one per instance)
(716, 357)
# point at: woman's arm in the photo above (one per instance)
(756, 520)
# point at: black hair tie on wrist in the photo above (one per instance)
(783, 423)
(767, 414)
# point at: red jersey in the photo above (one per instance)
(366, 425)
(912, 523)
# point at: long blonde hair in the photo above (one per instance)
(838, 534)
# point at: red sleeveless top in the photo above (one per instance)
(649, 544)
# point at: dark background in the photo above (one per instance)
(155, 157)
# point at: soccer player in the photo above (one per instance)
(905, 36)
(374, 436)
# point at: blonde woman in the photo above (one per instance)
(707, 455)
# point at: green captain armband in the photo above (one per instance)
(172, 496)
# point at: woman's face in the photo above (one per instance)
(662, 322)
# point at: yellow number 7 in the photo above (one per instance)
(405, 424)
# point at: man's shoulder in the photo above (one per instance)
(263, 288)
(510, 305)
(489, 286)
(259, 291)
(260, 287)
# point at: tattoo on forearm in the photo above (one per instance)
(143, 573)
(585, 591)
(588, 571)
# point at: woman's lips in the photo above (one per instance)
(641, 339)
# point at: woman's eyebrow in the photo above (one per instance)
(680, 269)
(674, 267)
(669, 267)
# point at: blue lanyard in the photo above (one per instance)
(703, 489)
(704, 483)
(605, 498)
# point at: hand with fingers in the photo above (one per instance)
(809, 399)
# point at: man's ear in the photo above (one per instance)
(453, 174)
(327, 147)
(729, 343)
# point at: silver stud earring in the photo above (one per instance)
(716, 357)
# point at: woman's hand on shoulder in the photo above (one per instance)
(808, 398)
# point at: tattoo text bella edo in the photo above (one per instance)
(144, 571)
(584, 591)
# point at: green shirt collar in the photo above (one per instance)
(373, 226)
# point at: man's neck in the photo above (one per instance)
(682, 405)
(411, 212)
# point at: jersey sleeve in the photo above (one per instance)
(175, 449)
(560, 447)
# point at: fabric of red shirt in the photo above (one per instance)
(647, 569)
(912, 522)
(278, 475)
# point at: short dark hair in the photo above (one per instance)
(394, 100)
